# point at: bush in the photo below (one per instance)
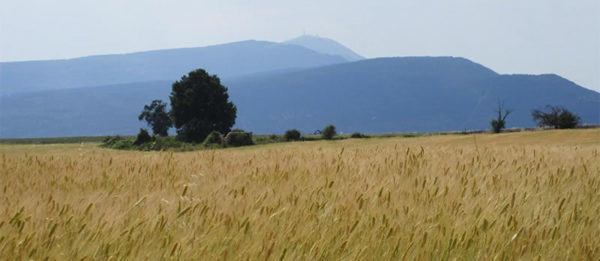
(498, 125)
(165, 143)
(292, 135)
(214, 138)
(358, 135)
(142, 137)
(122, 145)
(328, 132)
(111, 140)
(235, 139)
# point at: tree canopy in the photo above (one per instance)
(199, 105)
(557, 117)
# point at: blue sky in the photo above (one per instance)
(509, 36)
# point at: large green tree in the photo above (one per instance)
(199, 105)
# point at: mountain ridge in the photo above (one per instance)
(326, 46)
(226, 60)
(403, 94)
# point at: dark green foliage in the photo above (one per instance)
(117, 142)
(499, 123)
(158, 143)
(165, 143)
(568, 120)
(236, 139)
(142, 137)
(358, 135)
(557, 117)
(199, 105)
(292, 135)
(111, 140)
(157, 117)
(328, 132)
(266, 139)
(214, 138)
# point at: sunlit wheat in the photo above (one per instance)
(505, 197)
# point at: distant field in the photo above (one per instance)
(258, 139)
(512, 196)
(59, 140)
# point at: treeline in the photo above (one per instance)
(202, 115)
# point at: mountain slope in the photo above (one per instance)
(402, 95)
(226, 60)
(326, 46)
(374, 96)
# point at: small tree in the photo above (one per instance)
(328, 132)
(157, 117)
(291, 135)
(499, 123)
(142, 137)
(556, 117)
(199, 105)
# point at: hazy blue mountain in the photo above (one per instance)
(326, 46)
(95, 111)
(374, 96)
(226, 60)
(402, 95)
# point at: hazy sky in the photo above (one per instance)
(508, 36)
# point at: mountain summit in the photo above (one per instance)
(325, 46)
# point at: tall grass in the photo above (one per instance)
(490, 197)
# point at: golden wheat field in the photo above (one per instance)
(528, 195)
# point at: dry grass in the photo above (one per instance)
(484, 197)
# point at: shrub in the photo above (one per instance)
(358, 135)
(122, 145)
(498, 125)
(111, 140)
(235, 139)
(165, 143)
(328, 132)
(214, 138)
(142, 137)
(292, 135)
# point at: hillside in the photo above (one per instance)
(96, 111)
(420, 94)
(423, 94)
(226, 60)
